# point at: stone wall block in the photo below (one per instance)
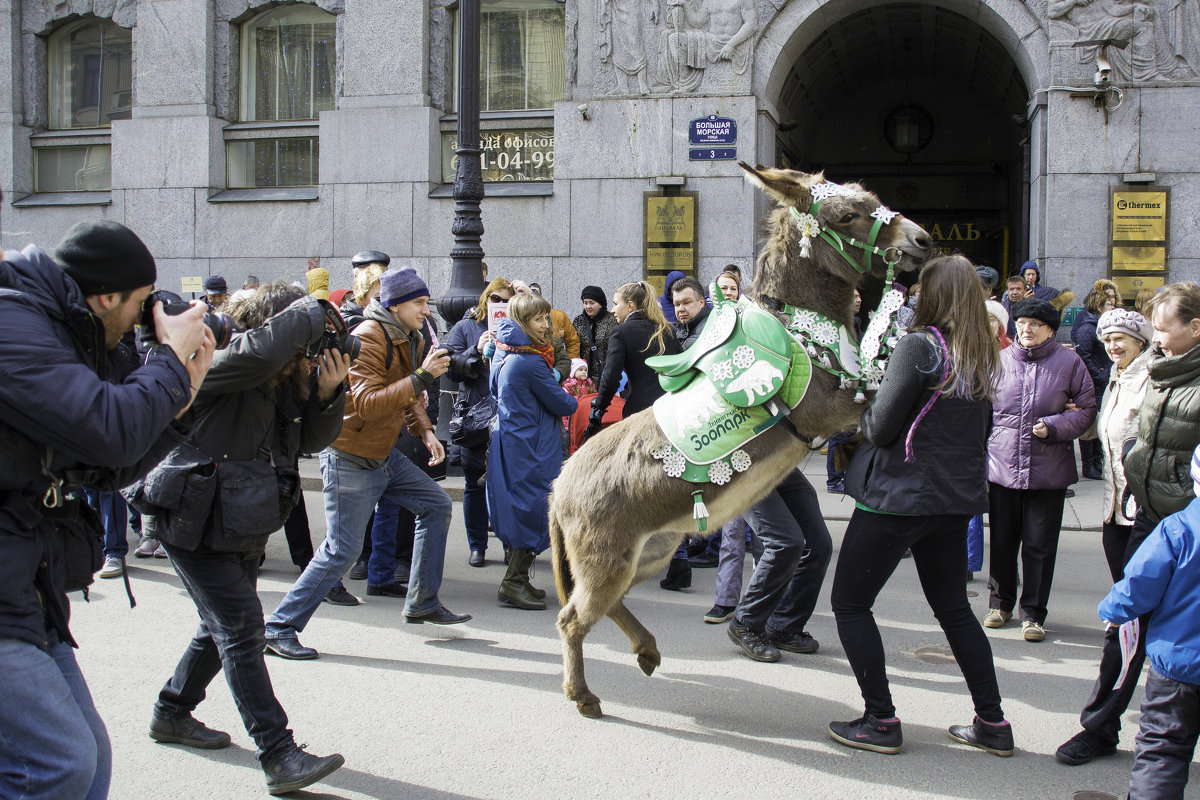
(622, 139)
(165, 219)
(172, 271)
(162, 152)
(292, 230)
(1080, 141)
(606, 217)
(380, 145)
(45, 226)
(390, 50)
(374, 216)
(1077, 217)
(572, 274)
(1170, 129)
(726, 217)
(431, 221)
(174, 53)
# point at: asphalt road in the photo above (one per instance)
(477, 710)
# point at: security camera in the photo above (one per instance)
(1103, 78)
(584, 111)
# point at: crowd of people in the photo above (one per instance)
(976, 419)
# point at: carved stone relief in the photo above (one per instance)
(1151, 39)
(653, 49)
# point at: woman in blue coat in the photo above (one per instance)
(526, 449)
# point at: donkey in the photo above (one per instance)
(623, 516)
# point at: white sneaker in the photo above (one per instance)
(1032, 632)
(114, 567)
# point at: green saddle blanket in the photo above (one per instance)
(743, 374)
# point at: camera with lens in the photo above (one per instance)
(221, 325)
(336, 335)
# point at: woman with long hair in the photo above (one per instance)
(642, 332)
(917, 480)
(466, 343)
(526, 451)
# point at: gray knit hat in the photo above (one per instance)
(398, 286)
(1124, 320)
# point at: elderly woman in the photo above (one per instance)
(1031, 462)
(1126, 335)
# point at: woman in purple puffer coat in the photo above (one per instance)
(1044, 400)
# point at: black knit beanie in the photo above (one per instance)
(594, 293)
(1037, 309)
(103, 257)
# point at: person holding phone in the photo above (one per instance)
(363, 465)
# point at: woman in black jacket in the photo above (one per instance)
(917, 479)
(262, 403)
(1099, 365)
(641, 333)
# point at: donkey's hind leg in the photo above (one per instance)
(582, 611)
(644, 645)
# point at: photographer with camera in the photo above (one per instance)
(364, 465)
(472, 371)
(71, 416)
(215, 500)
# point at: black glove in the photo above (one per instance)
(594, 427)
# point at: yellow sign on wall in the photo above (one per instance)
(669, 236)
(191, 285)
(1139, 258)
(1139, 216)
(1130, 285)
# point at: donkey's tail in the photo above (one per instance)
(564, 582)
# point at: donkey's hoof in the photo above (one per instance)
(649, 662)
(590, 709)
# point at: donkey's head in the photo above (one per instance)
(841, 229)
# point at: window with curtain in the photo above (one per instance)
(288, 71)
(89, 83)
(521, 55)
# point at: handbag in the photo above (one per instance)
(473, 426)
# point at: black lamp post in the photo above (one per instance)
(466, 277)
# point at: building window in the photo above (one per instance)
(89, 80)
(289, 66)
(521, 55)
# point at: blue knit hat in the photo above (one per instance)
(398, 286)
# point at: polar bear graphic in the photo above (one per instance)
(758, 379)
(700, 414)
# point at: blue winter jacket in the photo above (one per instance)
(1164, 577)
(526, 451)
(61, 389)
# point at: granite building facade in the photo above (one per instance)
(245, 136)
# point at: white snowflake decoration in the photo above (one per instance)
(807, 225)
(885, 215)
(825, 332)
(743, 357)
(675, 464)
(722, 370)
(662, 450)
(719, 326)
(824, 191)
(891, 302)
(740, 461)
(804, 319)
(719, 473)
(872, 374)
(869, 347)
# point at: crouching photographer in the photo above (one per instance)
(215, 499)
(72, 415)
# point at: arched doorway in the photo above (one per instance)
(924, 105)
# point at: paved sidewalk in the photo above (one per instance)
(477, 711)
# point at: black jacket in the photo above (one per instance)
(948, 474)
(240, 417)
(61, 389)
(628, 348)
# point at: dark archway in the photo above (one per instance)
(928, 109)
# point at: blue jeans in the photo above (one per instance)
(114, 514)
(351, 492)
(385, 542)
(732, 558)
(224, 587)
(475, 513)
(52, 741)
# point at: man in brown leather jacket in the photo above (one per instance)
(362, 466)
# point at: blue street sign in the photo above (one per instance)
(712, 130)
(712, 154)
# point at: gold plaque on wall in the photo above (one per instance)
(1130, 285)
(1139, 258)
(1139, 216)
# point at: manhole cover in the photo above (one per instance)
(1091, 794)
(936, 654)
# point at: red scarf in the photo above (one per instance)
(546, 351)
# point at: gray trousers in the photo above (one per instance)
(1166, 740)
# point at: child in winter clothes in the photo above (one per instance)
(579, 383)
(1163, 577)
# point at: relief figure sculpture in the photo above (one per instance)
(700, 33)
(1157, 33)
(621, 42)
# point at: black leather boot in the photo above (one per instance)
(292, 769)
(514, 589)
(679, 575)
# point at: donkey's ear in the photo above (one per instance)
(786, 186)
